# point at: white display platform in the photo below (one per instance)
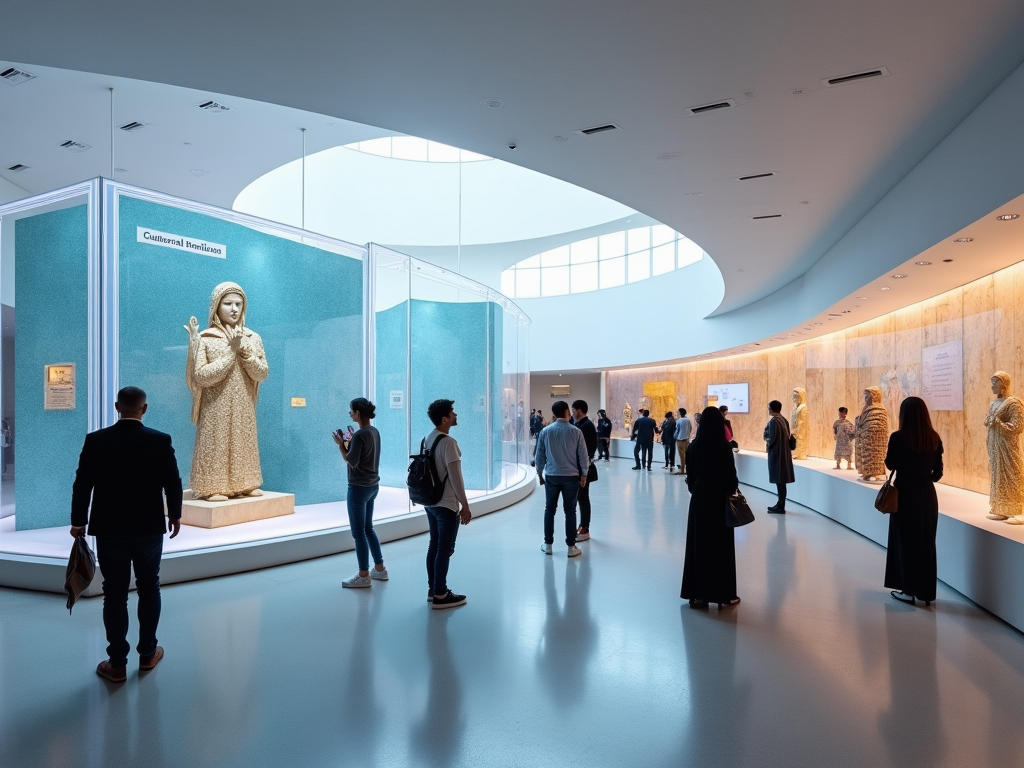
(37, 559)
(980, 558)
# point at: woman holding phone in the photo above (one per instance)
(361, 451)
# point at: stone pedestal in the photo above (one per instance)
(214, 514)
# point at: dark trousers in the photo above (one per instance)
(669, 444)
(642, 454)
(117, 556)
(444, 528)
(583, 499)
(602, 447)
(569, 487)
(360, 520)
(780, 488)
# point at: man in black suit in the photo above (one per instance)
(586, 426)
(644, 430)
(126, 469)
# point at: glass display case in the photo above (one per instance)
(98, 283)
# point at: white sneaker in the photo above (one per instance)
(379, 575)
(356, 582)
(575, 551)
(545, 548)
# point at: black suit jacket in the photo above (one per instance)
(125, 469)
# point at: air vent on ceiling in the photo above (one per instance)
(712, 107)
(598, 129)
(133, 126)
(769, 216)
(214, 107)
(75, 146)
(854, 77)
(18, 167)
(757, 176)
(13, 76)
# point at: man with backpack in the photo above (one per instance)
(435, 480)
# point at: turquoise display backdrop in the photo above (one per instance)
(449, 352)
(51, 273)
(392, 367)
(306, 304)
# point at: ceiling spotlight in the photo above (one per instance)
(884, 288)
(199, 172)
(863, 298)
(897, 277)
(847, 311)
(923, 263)
(559, 138)
(1008, 217)
(493, 103)
(946, 261)
(964, 240)
(819, 323)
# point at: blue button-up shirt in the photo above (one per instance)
(561, 451)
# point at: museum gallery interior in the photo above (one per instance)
(810, 218)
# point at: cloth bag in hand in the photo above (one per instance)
(81, 570)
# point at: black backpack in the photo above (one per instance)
(425, 487)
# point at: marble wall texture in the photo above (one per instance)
(986, 315)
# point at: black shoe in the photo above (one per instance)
(902, 597)
(448, 601)
(649, 469)
(777, 510)
(637, 468)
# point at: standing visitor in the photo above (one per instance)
(915, 453)
(604, 434)
(709, 567)
(362, 457)
(586, 426)
(684, 427)
(844, 432)
(728, 425)
(668, 440)
(445, 516)
(127, 470)
(562, 451)
(780, 454)
(644, 430)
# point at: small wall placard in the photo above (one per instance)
(59, 387)
(298, 402)
(397, 398)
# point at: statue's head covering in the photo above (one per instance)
(1004, 380)
(876, 394)
(801, 395)
(218, 294)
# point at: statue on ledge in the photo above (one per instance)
(872, 438)
(801, 423)
(1005, 422)
(226, 364)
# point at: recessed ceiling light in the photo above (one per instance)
(669, 155)
(13, 76)
(863, 298)
(756, 176)
(559, 138)
(75, 146)
(695, 194)
(768, 216)
(897, 277)
(847, 311)
(213, 107)
(884, 288)
(333, 125)
(493, 103)
(121, 170)
(18, 168)
(964, 240)
(712, 107)
(819, 323)
(946, 261)
(134, 125)
(834, 314)
(854, 77)
(923, 263)
(596, 129)
(1008, 217)
(199, 172)
(777, 338)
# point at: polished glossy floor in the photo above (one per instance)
(584, 662)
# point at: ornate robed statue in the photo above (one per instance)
(872, 440)
(801, 422)
(226, 364)
(1005, 422)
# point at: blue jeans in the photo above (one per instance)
(569, 487)
(360, 521)
(117, 555)
(444, 528)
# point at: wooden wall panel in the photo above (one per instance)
(987, 316)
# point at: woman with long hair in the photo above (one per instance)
(709, 567)
(915, 453)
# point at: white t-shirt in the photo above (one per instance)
(446, 453)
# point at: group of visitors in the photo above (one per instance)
(914, 453)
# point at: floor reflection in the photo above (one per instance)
(569, 636)
(437, 737)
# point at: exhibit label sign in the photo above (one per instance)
(942, 375)
(181, 243)
(397, 399)
(59, 387)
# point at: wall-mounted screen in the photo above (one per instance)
(736, 396)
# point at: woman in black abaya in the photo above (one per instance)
(915, 452)
(709, 567)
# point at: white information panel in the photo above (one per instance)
(736, 396)
(942, 376)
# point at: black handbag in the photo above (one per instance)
(80, 572)
(592, 473)
(792, 442)
(737, 511)
(888, 498)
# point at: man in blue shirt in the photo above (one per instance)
(683, 429)
(562, 451)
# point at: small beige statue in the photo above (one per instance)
(800, 419)
(1005, 422)
(627, 417)
(872, 438)
(226, 364)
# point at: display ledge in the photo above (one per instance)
(37, 559)
(980, 558)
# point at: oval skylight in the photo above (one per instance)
(415, 148)
(607, 261)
